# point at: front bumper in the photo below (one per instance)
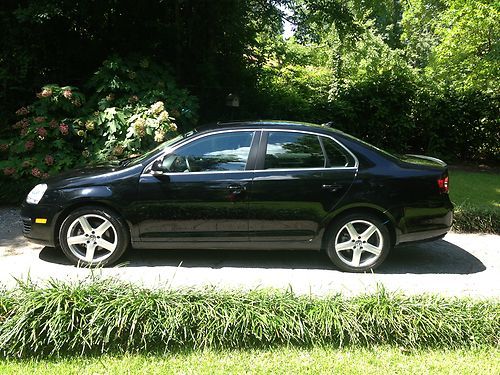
(37, 232)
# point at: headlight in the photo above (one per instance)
(36, 194)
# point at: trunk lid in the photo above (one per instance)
(422, 160)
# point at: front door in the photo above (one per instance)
(203, 193)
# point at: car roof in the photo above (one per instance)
(257, 124)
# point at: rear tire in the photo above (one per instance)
(358, 242)
(93, 236)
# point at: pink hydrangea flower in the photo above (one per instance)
(36, 172)
(42, 132)
(53, 124)
(24, 123)
(49, 160)
(4, 147)
(29, 145)
(45, 175)
(63, 128)
(22, 111)
(39, 119)
(9, 171)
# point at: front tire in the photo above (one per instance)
(358, 243)
(93, 236)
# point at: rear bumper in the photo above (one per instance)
(427, 225)
(40, 233)
(429, 235)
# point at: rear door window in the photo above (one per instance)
(336, 156)
(292, 150)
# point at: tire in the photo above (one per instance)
(358, 242)
(93, 236)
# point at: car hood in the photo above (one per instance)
(92, 176)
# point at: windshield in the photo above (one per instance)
(138, 159)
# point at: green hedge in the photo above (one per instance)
(469, 218)
(108, 316)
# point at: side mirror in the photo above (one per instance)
(156, 168)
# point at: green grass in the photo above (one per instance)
(476, 197)
(107, 316)
(475, 189)
(285, 360)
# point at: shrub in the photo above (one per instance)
(109, 316)
(133, 105)
(468, 218)
(43, 141)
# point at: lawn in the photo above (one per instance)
(480, 189)
(318, 360)
(476, 196)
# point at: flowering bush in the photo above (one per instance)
(138, 105)
(133, 105)
(40, 142)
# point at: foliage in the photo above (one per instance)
(134, 105)
(43, 142)
(126, 114)
(418, 76)
(469, 219)
(209, 44)
(468, 55)
(476, 197)
(108, 316)
(399, 75)
(292, 91)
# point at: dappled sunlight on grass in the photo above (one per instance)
(478, 189)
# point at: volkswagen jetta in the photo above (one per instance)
(246, 185)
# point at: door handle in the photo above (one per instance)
(332, 187)
(236, 188)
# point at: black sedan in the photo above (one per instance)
(246, 185)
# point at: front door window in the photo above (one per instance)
(213, 153)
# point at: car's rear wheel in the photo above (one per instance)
(358, 242)
(93, 236)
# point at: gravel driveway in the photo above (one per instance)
(460, 264)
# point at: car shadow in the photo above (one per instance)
(438, 257)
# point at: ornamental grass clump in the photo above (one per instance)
(469, 218)
(108, 316)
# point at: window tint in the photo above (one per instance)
(293, 150)
(218, 152)
(335, 154)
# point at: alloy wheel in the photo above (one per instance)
(359, 243)
(92, 238)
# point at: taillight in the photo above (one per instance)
(443, 184)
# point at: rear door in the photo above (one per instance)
(299, 178)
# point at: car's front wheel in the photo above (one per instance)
(93, 236)
(358, 243)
